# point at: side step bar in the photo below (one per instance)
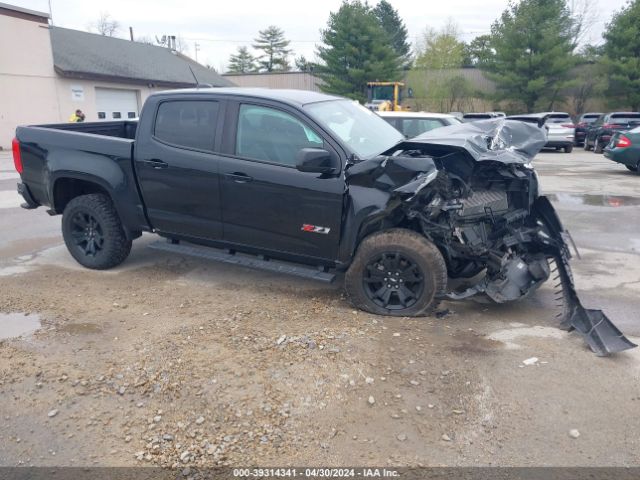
(275, 266)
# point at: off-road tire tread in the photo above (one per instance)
(117, 245)
(403, 239)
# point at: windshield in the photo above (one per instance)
(382, 92)
(364, 132)
(589, 118)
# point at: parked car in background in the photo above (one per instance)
(560, 131)
(473, 117)
(600, 132)
(412, 124)
(582, 125)
(624, 148)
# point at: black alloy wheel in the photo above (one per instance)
(87, 233)
(393, 281)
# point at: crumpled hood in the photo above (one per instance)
(501, 140)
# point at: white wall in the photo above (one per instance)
(27, 78)
(30, 90)
(69, 102)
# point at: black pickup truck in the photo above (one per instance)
(316, 183)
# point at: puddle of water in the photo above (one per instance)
(79, 328)
(13, 325)
(594, 200)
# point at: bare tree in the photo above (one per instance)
(105, 25)
(181, 45)
(147, 40)
(585, 14)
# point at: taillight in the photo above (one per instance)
(581, 125)
(568, 125)
(623, 142)
(612, 125)
(17, 159)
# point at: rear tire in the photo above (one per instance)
(633, 169)
(93, 232)
(568, 149)
(397, 273)
(597, 147)
(586, 144)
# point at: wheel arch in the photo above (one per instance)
(69, 185)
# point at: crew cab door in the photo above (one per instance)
(267, 204)
(177, 166)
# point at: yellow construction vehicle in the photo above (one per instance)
(386, 96)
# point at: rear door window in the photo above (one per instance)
(187, 123)
(271, 135)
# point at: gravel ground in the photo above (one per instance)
(177, 362)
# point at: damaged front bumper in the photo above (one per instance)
(470, 189)
(602, 336)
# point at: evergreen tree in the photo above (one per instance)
(622, 56)
(355, 51)
(242, 61)
(478, 50)
(532, 43)
(390, 21)
(273, 44)
(302, 64)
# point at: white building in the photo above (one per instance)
(47, 72)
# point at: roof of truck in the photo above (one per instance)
(293, 97)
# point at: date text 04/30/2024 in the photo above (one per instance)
(314, 472)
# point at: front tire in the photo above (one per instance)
(93, 232)
(397, 273)
(586, 144)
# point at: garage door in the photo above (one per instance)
(116, 104)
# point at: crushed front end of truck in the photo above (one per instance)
(471, 190)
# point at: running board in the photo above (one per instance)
(275, 266)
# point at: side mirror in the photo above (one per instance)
(317, 160)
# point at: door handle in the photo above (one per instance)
(239, 177)
(155, 163)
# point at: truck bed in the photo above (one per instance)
(120, 129)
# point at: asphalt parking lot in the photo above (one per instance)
(172, 361)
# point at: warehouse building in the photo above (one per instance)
(51, 72)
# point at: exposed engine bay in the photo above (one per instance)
(471, 190)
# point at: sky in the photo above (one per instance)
(219, 28)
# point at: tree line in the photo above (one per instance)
(534, 54)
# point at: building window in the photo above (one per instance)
(117, 115)
(102, 115)
(131, 115)
(187, 123)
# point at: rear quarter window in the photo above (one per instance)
(187, 123)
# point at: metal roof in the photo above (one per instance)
(87, 55)
(293, 97)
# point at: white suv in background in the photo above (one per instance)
(560, 131)
(412, 124)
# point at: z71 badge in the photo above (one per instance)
(315, 229)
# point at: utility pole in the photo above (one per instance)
(50, 13)
(197, 49)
